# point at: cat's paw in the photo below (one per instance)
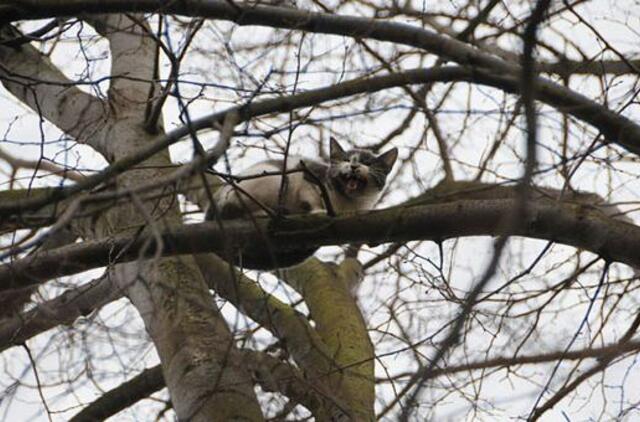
(318, 211)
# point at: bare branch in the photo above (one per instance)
(569, 223)
(33, 79)
(123, 396)
(63, 309)
(19, 163)
(614, 127)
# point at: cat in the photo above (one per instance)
(352, 180)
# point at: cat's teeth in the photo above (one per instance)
(352, 184)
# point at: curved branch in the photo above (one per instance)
(561, 66)
(590, 67)
(34, 80)
(246, 112)
(614, 127)
(603, 354)
(326, 289)
(608, 352)
(17, 163)
(569, 223)
(63, 309)
(123, 396)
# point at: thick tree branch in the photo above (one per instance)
(563, 66)
(298, 337)
(252, 14)
(275, 375)
(590, 67)
(133, 56)
(218, 276)
(33, 79)
(246, 112)
(327, 291)
(619, 129)
(569, 223)
(192, 338)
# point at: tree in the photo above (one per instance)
(514, 121)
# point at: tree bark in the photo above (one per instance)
(574, 224)
(196, 348)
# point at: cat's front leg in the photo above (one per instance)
(318, 211)
(310, 201)
(312, 208)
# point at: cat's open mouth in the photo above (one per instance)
(353, 183)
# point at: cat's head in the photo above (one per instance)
(359, 172)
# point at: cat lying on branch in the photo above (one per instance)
(351, 181)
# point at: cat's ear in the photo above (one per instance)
(388, 158)
(336, 153)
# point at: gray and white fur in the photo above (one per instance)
(352, 179)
